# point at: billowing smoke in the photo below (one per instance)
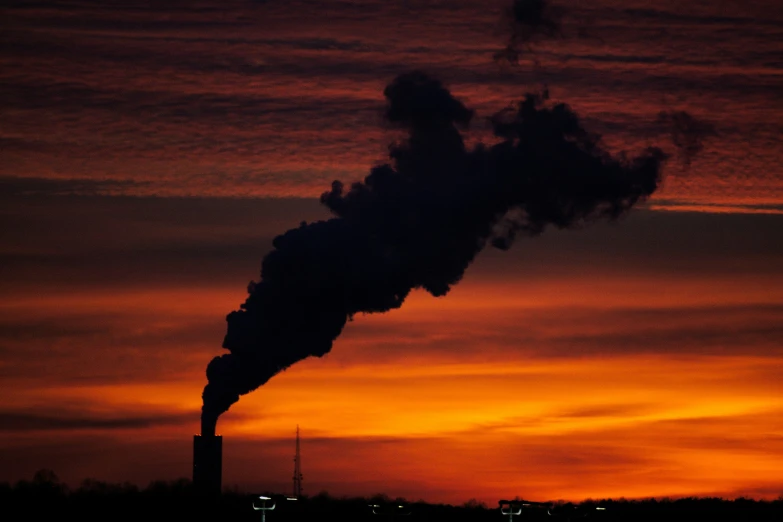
(528, 21)
(418, 222)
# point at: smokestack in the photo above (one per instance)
(208, 463)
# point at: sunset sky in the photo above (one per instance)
(150, 155)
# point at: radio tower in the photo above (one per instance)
(297, 468)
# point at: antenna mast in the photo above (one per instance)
(297, 468)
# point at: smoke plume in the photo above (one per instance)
(418, 222)
(687, 133)
(528, 21)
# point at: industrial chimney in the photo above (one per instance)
(207, 463)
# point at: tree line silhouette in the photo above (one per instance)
(46, 495)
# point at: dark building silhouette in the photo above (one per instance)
(208, 463)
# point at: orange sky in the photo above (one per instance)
(587, 378)
(150, 156)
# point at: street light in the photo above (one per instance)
(390, 510)
(515, 507)
(264, 508)
(510, 508)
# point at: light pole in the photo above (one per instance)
(510, 508)
(390, 510)
(264, 508)
(514, 508)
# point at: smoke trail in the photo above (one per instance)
(687, 133)
(534, 21)
(418, 222)
(528, 21)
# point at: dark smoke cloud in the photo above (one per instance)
(529, 21)
(687, 133)
(418, 222)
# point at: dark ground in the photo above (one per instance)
(45, 496)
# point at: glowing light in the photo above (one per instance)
(264, 508)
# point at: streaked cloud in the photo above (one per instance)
(26, 421)
(262, 99)
(150, 156)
